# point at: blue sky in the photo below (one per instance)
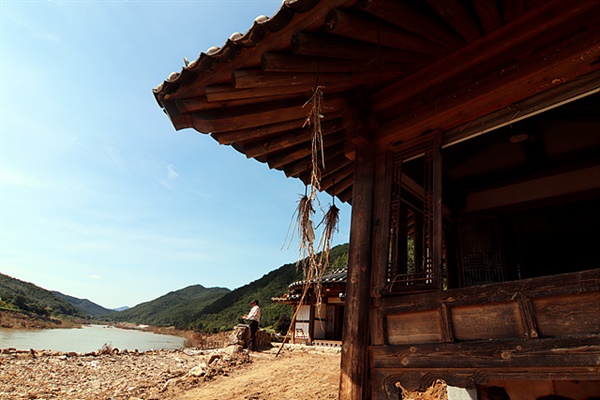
(100, 197)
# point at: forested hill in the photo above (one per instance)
(24, 296)
(193, 307)
(216, 309)
(171, 309)
(84, 305)
(228, 310)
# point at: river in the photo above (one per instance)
(86, 339)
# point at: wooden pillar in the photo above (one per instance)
(354, 377)
(381, 241)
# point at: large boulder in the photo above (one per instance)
(241, 336)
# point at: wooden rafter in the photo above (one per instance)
(407, 17)
(519, 81)
(273, 144)
(334, 159)
(259, 114)
(458, 17)
(512, 9)
(249, 79)
(201, 103)
(339, 180)
(284, 62)
(332, 46)
(221, 93)
(378, 32)
(497, 42)
(229, 137)
(294, 153)
(488, 13)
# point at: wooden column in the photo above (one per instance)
(354, 377)
(381, 238)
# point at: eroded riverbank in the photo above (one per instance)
(107, 374)
(21, 320)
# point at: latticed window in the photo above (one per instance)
(415, 239)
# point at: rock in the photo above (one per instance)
(234, 349)
(213, 357)
(263, 339)
(120, 376)
(239, 335)
(199, 370)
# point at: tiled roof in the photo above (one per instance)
(392, 71)
(206, 61)
(336, 276)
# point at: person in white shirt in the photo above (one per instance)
(253, 318)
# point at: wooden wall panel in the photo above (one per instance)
(417, 327)
(487, 321)
(573, 315)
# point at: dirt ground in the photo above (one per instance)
(296, 373)
(299, 372)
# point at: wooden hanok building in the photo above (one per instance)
(319, 309)
(466, 136)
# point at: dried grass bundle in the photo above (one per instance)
(306, 234)
(313, 267)
(331, 221)
(313, 120)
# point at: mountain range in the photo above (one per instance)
(84, 305)
(193, 307)
(19, 295)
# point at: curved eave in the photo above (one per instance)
(392, 69)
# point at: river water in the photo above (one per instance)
(86, 339)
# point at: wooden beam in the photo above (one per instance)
(229, 137)
(549, 99)
(273, 144)
(332, 46)
(457, 16)
(346, 195)
(340, 186)
(283, 62)
(405, 16)
(549, 352)
(379, 33)
(260, 114)
(252, 79)
(300, 85)
(256, 78)
(201, 103)
(563, 62)
(223, 93)
(556, 286)
(512, 9)
(489, 15)
(354, 377)
(510, 35)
